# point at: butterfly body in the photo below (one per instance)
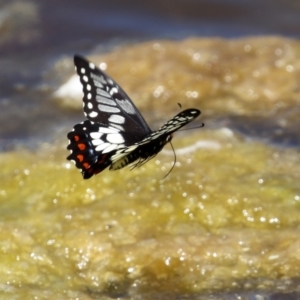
(115, 133)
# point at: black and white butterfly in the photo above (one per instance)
(115, 133)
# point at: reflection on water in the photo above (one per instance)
(33, 39)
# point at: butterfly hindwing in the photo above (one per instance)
(90, 149)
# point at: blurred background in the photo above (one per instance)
(227, 218)
(36, 34)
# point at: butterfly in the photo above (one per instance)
(115, 133)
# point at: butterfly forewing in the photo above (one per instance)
(106, 103)
(177, 122)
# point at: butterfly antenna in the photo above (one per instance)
(173, 162)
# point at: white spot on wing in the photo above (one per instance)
(97, 78)
(115, 138)
(113, 90)
(89, 96)
(103, 93)
(102, 146)
(92, 66)
(103, 100)
(126, 106)
(85, 78)
(119, 127)
(82, 70)
(109, 109)
(97, 142)
(98, 84)
(108, 130)
(88, 87)
(111, 147)
(116, 119)
(90, 105)
(93, 114)
(96, 135)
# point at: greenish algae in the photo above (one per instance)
(224, 219)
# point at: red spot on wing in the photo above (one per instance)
(86, 165)
(76, 138)
(81, 146)
(80, 157)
